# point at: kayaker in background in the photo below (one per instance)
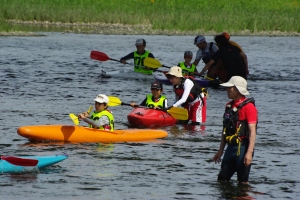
(189, 95)
(227, 36)
(239, 132)
(186, 66)
(139, 55)
(101, 118)
(155, 100)
(233, 59)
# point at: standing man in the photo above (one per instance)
(205, 52)
(239, 132)
(139, 55)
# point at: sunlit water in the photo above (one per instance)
(43, 79)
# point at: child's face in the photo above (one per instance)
(156, 93)
(100, 106)
(187, 59)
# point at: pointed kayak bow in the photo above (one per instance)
(26, 162)
(177, 113)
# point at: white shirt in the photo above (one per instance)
(201, 52)
(187, 86)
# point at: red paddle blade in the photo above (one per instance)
(20, 161)
(96, 55)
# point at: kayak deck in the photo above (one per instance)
(72, 133)
(146, 117)
(43, 161)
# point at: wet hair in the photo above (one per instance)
(221, 39)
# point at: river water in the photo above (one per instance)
(43, 79)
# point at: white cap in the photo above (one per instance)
(175, 71)
(239, 82)
(199, 39)
(101, 98)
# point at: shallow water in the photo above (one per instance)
(43, 79)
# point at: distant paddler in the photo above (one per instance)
(139, 55)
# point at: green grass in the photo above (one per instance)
(181, 15)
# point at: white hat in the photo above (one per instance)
(140, 42)
(175, 71)
(101, 98)
(239, 82)
(199, 39)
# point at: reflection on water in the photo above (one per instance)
(43, 79)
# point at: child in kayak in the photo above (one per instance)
(186, 66)
(101, 118)
(154, 100)
(138, 56)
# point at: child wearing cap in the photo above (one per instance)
(156, 99)
(186, 66)
(101, 118)
(189, 95)
(138, 56)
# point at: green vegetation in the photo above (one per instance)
(182, 15)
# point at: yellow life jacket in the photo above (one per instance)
(97, 115)
(151, 104)
(186, 70)
(139, 63)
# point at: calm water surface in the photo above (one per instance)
(43, 79)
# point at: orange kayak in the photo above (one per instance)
(84, 134)
(145, 117)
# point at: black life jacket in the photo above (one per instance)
(208, 55)
(235, 130)
(194, 93)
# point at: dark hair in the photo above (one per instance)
(221, 39)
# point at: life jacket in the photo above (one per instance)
(185, 69)
(206, 56)
(235, 130)
(139, 62)
(194, 93)
(97, 115)
(151, 104)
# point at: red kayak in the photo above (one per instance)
(150, 118)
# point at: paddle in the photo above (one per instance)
(153, 63)
(20, 161)
(75, 119)
(97, 55)
(177, 113)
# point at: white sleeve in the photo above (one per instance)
(104, 120)
(166, 103)
(199, 54)
(188, 85)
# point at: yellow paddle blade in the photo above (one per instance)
(114, 101)
(74, 118)
(208, 78)
(90, 109)
(179, 113)
(152, 63)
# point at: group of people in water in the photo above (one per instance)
(224, 60)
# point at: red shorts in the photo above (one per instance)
(197, 111)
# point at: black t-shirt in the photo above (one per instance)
(232, 61)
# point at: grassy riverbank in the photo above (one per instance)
(159, 16)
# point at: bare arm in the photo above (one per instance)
(252, 137)
(218, 155)
(196, 62)
(206, 67)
